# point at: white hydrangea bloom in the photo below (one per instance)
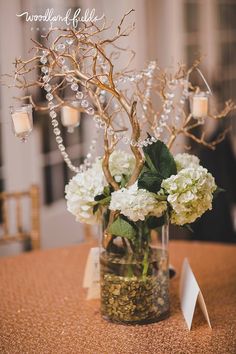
(186, 160)
(81, 191)
(121, 163)
(190, 194)
(136, 203)
(84, 187)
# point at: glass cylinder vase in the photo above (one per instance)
(134, 275)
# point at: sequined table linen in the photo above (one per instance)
(43, 307)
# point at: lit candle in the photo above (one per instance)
(199, 105)
(70, 117)
(21, 122)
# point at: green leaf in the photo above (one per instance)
(102, 199)
(145, 264)
(124, 181)
(151, 181)
(99, 197)
(105, 197)
(218, 191)
(159, 165)
(95, 208)
(153, 222)
(150, 164)
(106, 191)
(105, 201)
(159, 158)
(146, 167)
(188, 227)
(122, 228)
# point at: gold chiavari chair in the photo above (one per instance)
(15, 200)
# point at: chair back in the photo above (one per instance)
(15, 201)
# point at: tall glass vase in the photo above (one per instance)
(135, 275)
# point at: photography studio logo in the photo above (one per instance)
(69, 19)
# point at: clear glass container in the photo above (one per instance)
(22, 121)
(70, 115)
(134, 278)
(199, 103)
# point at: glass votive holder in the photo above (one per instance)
(70, 116)
(22, 121)
(199, 105)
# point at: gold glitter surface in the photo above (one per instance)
(43, 307)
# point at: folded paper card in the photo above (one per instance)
(92, 274)
(190, 293)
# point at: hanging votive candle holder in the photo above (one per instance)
(22, 121)
(200, 105)
(70, 116)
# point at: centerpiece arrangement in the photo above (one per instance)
(133, 194)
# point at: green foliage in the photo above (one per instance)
(102, 199)
(188, 227)
(124, 181)
(153, 222)
(151, 181)
(159, 159)
(95, 208)
(218, 191)
(159, 165)
(123, 228)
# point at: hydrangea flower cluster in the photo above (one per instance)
(81, 191)
(121, 163)
(189, 193)
(186, 160)
(136, 203)
(85, 186)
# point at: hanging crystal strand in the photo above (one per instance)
(84, 103)
(167, 108)
(134, 78)
(49, 96)
(149, 72)
(184, 96)
(147, 94)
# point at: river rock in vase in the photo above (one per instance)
(135, 276)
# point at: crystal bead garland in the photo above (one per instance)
(183, 98)
(78, 95)
(49, 96)
(168, 103)
(100, 124)
(167, 108)
(150, 72)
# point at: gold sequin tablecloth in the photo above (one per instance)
(43, 307)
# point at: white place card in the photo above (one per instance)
(92, 274)
(190, 293)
